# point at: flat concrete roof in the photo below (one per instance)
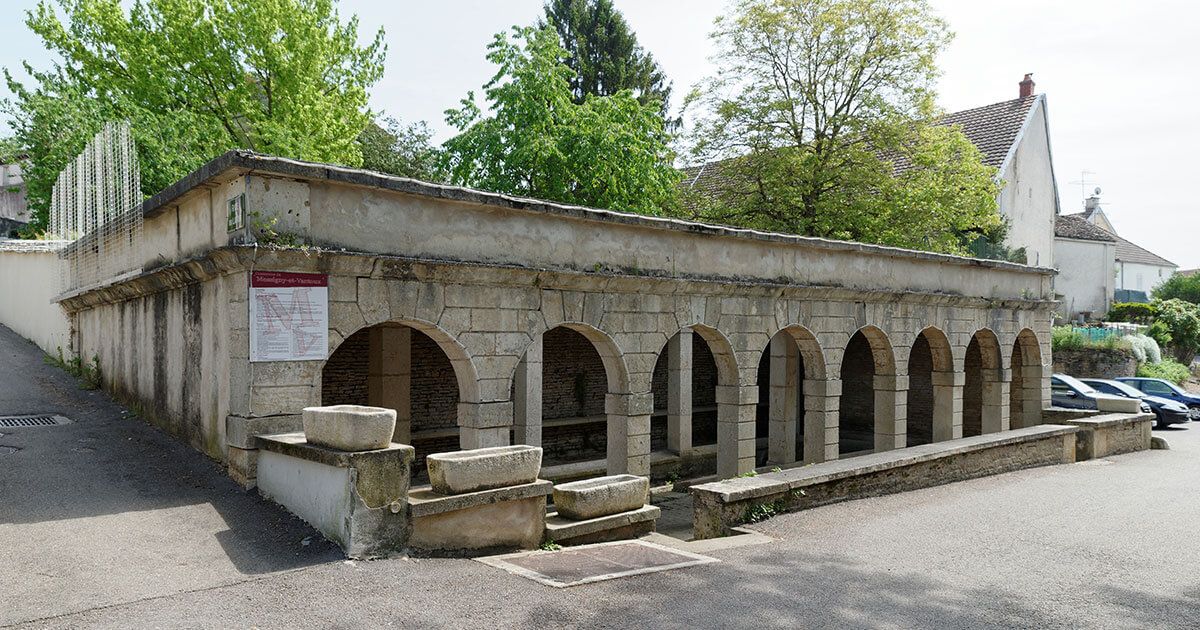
(242, 162)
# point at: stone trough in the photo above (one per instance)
(600, 510)
(484, 469)
(349, 427)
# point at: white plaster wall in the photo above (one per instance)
(1028, 198)
(29, 281)
(319, 494)
(1141, 277)
(1085, 276)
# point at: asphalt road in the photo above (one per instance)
(109, 523)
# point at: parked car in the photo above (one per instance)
(1167, 411)
(1072, 393)
(1165, 389)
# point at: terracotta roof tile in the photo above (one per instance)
(1075, 226)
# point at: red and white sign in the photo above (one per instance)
(289, 316)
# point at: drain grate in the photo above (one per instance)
(594, 563)
(43, 420)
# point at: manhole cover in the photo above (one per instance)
(43, 420)
(593, 563)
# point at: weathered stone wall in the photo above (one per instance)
(1095, 363)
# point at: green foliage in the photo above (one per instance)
(10, 148)
(89, 374)
(1071, 338)
(1182, 321)
(1133, 312)
(195, 78)
(1168, 369)
(550, 545)
(1145, 349)
(748, 473)
(1180, 287)
(762, 511)
(603, 53)
(608, 152)
(827, 106)
(402, 150)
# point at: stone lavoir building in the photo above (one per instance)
(617, 342)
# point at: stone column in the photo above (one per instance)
(484, 424)
(628, 432)
(389, 376)
(736, 410)
(891, 411)
(679, 392)
(821, 401)
(527, 400)
(995, 400)
(784, 400)
(947, 405)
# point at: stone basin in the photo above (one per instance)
(349, 427)
(484, 468)
(602, 496)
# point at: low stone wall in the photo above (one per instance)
(722, 505)
(1111, 434)
(1095, 363)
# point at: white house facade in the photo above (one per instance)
(1084, 255)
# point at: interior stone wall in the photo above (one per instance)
(920, 393)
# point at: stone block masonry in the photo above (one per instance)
(456, 297)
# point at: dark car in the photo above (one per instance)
(1165, 389)
(1167, 411)
(1070, 392)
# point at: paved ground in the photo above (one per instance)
(108, 523)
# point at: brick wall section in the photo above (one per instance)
(858, 388)
(344, 378)
(1016, 389)
(920, 393)
(973, 391)
(574, 382)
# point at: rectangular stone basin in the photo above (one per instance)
(484, 468)
(602, 496)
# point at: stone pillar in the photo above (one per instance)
(737, 407)
(629, 432)
(821, 401)
(995, 401)
(484, 424)
(527, 396)
(679, 392)
(389, 376)
(947, 405)
(784, 400)
(891, 411)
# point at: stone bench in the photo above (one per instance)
(722, 505)
(1111, 434)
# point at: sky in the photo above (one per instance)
(1120, 80)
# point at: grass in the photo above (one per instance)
(1068, 338)
(88, 373)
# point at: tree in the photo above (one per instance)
(608, 152)
(825, 109)
(1179, 286)
(399, 149)
(604, 54)
(196, 78)
(1182, 322)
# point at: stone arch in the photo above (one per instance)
(930, 404)
(983, 386)
(867, 411)
(1025, 389)
(414, 367)
(688, 370)
(791, 379)
(586, 411)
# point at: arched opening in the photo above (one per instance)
(685, 395)
(1025, 390)
(574, 385)
(867, 413)
(403, 367)
(930, 389)
(982, 410)
(789, 368)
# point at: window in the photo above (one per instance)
(1155, 387)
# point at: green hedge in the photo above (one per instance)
(1173, 371)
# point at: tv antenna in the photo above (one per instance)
(1083, 182)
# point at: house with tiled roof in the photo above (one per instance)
(1137, 270)
(1084, 255)
(1014, 137)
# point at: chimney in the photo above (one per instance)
(1027, 85)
